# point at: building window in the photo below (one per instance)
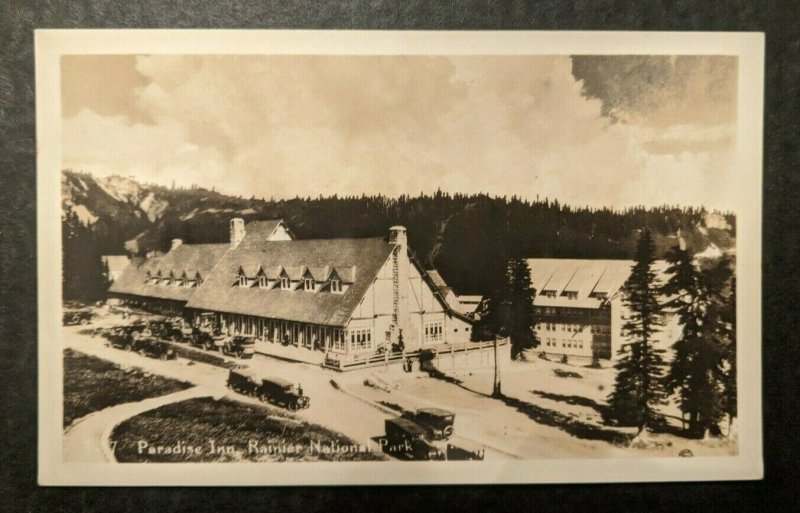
(242, 280)
(262, 281)
(433, 331)
(549, 293)
(360, 339)
(338, 341)
(309, 284)
(285, 283)
(336, 286)
(248, 326)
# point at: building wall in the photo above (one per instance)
(575, 331)
(422, 310)
(579, 332)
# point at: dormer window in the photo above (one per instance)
(549, 293)
(285, 283)
(309, 285)
(570, 295)
(262, 281)
(242, 280)
(336, 286)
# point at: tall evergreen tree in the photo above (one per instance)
(730, 403)
(720, 325)
(518, 315)
(639, 390)
(696, 369)
(84, 274)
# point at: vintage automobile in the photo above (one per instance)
(437, 423)
(282, 392)
(119, 338)
(406, 439)
(464, 451)
(273, 390)
(124, 337)
(166, 330)
(154, 348)
(74, 317)
(241, 347)
(243, 381)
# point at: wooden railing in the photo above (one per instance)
(352, 362)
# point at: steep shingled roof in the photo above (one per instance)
(189, 258)
(358, 260)
(585, 277)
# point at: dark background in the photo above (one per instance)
(779, 19)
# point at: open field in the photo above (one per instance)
(205, 430)
(92, 384)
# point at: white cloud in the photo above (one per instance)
(286, 126)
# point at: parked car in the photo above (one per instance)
(437, 423)
(119, 338)
(73, 317)
(154, 348)
(273, 390)
(166, 330)
(243, 381)
(407, 439)
(464, 451)
(124, 337)
(282, 392)
(242, 347)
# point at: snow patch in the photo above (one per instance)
(120, 188)
(190, 215)
(153, 207)
(712, 252)
(84, 214)
(247, 211)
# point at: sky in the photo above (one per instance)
(586, 130)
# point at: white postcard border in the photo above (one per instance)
(52, 44)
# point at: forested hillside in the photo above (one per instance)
(467, 237)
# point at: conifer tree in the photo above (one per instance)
(639, 390)
(696, 369)
(519, 318)
(729, 388)
(720, 327)
(84, 274)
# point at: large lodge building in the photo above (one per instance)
(579, 307)
(349, 297)
(345, 297)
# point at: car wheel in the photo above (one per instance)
(292, 406)
(128, 347)
(84, 322)
(447, 432)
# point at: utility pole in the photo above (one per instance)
(496, 387)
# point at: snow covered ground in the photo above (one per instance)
(547, 411)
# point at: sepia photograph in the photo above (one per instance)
(282, 257)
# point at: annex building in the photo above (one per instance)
(346, 297)
(579, 307)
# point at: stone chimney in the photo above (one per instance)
(397, 235)
(401, 270)
(237, 231)
(175, 244)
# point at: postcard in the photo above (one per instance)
(343, 257)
